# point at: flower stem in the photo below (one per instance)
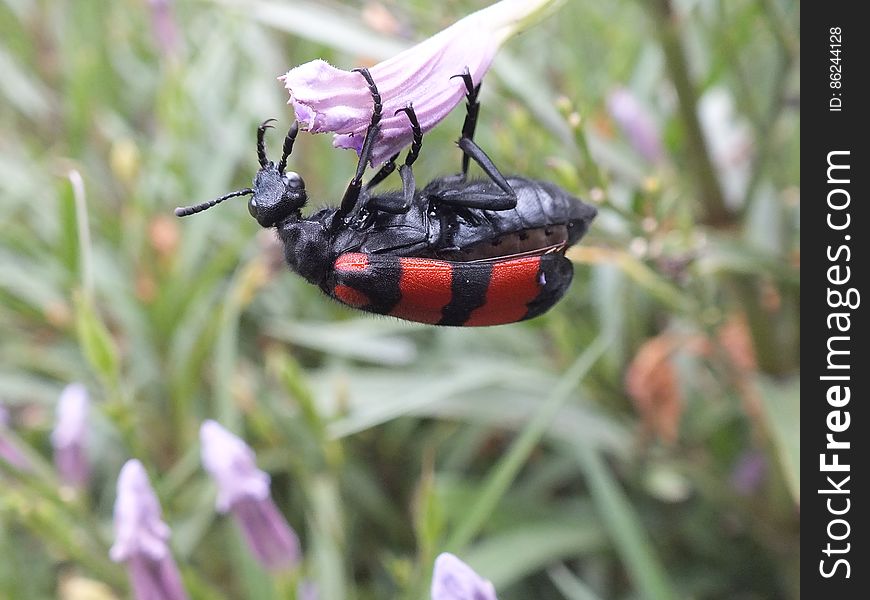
(712, 199)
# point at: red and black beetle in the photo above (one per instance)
(458, 252)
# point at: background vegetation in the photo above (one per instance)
(638, 441)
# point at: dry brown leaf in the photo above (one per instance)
(651, 382)
(737, 343)
(379, 18)
(164, 235)
(653, 385)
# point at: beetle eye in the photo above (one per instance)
(252, 208)
(294, 181)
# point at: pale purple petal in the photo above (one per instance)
(141, 538)
(749, 472)
(70, 435)
(72, 465)
(139, 529)
(637, 123)
(9, 453)
(327, 99)
(272, 541)
(164, 26)
(307, 590)
(155, 579)
(72, 415)
(232, 464)
(243, 489)
(452, 579)
(730, 140)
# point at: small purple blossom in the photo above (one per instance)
(243, 489)
(141, 538)
(307, 590)
(164, 26)
(749, 472)
(327, 99)
(452, 579)
(9, 453)
(70, 435)
(637, 123)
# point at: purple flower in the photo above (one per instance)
(9, 453)
(141, 538)
(164, 27)
(243, 489)
(307, 590)
(636, 123)
(455, 580)
(749, 472)
(327, 99)
(69, 435)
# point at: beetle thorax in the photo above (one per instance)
(307, 248)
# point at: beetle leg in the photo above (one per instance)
(289, 139)
(352, 193)
(384, 172)
(409, 185)
(472, 109)
(374, 128)
(417, 142)
(469, 148)
(449, 225)
(505, 199)
(389, 204)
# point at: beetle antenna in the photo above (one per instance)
(184, 211)
(261, 142)
(288, 146)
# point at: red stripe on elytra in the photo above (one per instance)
(513, 284)
(351, 261)
(425, 286)
(350, 296)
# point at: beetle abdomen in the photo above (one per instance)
(443, 292)
(539, 240)
(545, 216)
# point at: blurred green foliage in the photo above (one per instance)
(595, 452)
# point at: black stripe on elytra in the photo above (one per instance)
(379, 281)
(554, 275)
(469, 285)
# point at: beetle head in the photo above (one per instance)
(276, 194)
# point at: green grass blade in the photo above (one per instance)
(571, 586)
(623, 524)
(506, 470)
